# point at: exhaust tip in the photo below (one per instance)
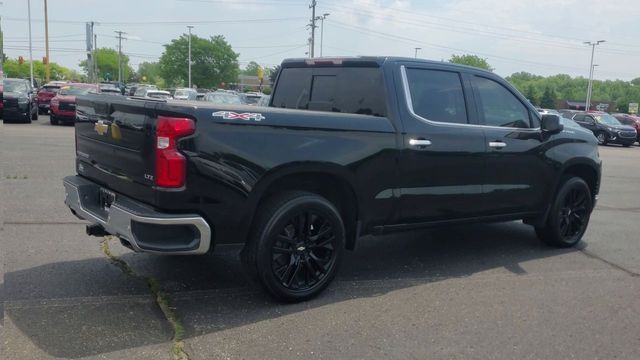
(96, 230)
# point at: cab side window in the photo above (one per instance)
(437, 95)
(497, 106)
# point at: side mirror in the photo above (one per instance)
(551, 124)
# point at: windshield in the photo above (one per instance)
(224, 99)
(73, 90)
(15, 86)
(607, 119)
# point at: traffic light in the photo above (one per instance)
(20, 60)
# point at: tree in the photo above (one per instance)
(149, 72)
(471, 60)
(273, 74)
(548, 100)
(12, 68)
(251, 69)
(107, 60)
(213, 62)
(530, 94)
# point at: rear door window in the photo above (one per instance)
(437, 95)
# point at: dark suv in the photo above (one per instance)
(631, 120)
(18, 101)
(606, 128)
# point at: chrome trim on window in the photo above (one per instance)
(407, 96)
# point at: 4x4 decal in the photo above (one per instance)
(230, 115)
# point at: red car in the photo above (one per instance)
(631, 120)
(63, 105)
(1, 100)
(46, 93)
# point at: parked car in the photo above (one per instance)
(1, 99)
(110, 91)
(606, 128)
(393, 144)
(185, 94)
(18, 101)
(264, 101)
(63, 105)
(630, 120)
(46, 93)
(142, 90)
(219, 97)
(158, 94)
(251, 98)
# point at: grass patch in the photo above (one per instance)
(161, 298)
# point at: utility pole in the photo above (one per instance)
(190, 27)
(593, 45)
(120, 33)
(416, 53)
(1, 48)
(89, 49)
(30, 44)
(321, 18)
(95, 58)
(313, 26)
(47, 70)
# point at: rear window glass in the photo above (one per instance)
(345, 90)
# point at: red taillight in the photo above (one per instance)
(171, 165)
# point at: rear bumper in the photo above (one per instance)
(144, 228)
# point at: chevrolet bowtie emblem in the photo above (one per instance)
(101, 128)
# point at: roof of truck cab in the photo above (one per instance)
(368, 61)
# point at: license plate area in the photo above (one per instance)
(106, 198)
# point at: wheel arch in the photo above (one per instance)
(331, 181)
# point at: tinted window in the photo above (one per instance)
(498, 106)
(437, 95)
(345, 89)
(578, 117)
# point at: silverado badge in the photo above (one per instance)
(230, 115)
(101, 128)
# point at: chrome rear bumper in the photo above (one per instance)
(144, 228)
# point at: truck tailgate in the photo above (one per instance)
(115, 143)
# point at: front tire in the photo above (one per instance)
(53, 120)
(296, 245)
(569, 215)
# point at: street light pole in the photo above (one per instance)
(30, 44)
(324, 16)
(416, 52)
(47, 70)
(190, 27)
(593, 45)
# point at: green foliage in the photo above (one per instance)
(251, 69)
(530, 94)
(564, 87)
(273, 74)
(213, 62)
(149, 73)
(471, 60)
(57, 72)
(108, 65)
(548, 100)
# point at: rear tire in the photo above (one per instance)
(569, 215)
(53, 120)
(602, 138)
(296, 245)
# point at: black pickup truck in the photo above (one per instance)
(347, 147)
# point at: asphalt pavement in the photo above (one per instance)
(466, 292)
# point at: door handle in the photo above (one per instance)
(419, 142)
(497, 144)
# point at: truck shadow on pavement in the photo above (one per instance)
(212, 294)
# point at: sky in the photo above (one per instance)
(543, 37)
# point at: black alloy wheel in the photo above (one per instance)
(303, 251)
(296, 245)
(569, 215)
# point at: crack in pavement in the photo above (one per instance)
(161, 298)
(583, 250)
